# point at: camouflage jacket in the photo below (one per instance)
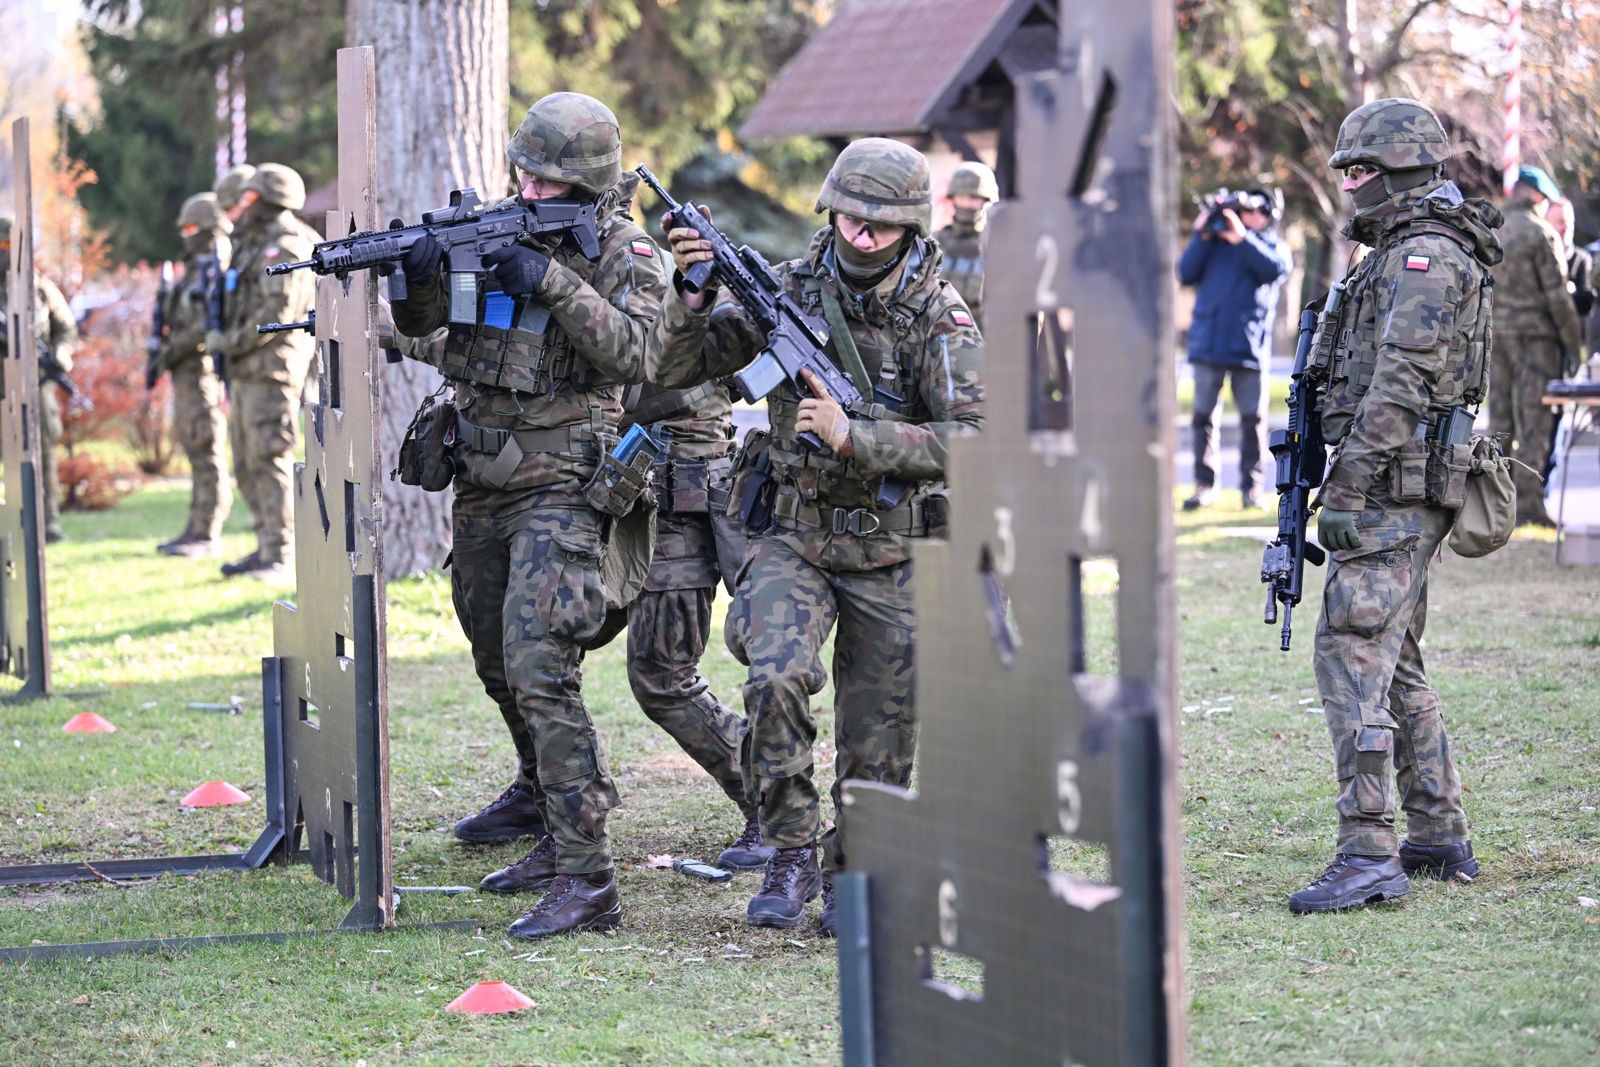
(962, 247)
(261, 239)
(920, 343)
(1531, 298)
(1411, 338)
(554, 364)
(185, 311)
(52, 319)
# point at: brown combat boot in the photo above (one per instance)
(793, 878)
(512, 814)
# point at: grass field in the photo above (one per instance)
(1500, 971)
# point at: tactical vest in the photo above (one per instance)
(963, 266)
(508, 343)
(1345, 346)
(823, 475)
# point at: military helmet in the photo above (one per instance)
(278, 184)
(974, 179)
(1392, 134)
(202, 210)
(569, 137)
(882, 180)
(231, 185)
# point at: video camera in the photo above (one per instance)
(1237, 200)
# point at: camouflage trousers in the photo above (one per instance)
(49, 437)
(1522, 367)
(782, 612)
(263, 431)
(669, 625)
(527, 590)
(1380, 709)
(197, 416)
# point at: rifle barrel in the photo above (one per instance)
(285, 268)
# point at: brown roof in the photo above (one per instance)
(883, 67)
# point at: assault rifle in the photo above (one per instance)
(309, 325)
(50, 370)
(213, 290)
(1300, 458)
(796, 341)
(158, 327)
(465, 230)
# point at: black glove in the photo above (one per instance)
(518, 268)
(421, 261)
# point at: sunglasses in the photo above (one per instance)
(1358, 171)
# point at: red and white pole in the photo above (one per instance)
(1511, 156)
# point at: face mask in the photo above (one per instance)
(1369, 194)
(200, 242)
(967, 218)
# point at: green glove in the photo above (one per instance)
(1337, 529)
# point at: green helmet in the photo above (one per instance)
(882, 180)
(202, 210)
(974, 179)
(569, 137)
(231, 185)
(1393, 134)
(279, 185)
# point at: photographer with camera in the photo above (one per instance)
(1237, 262)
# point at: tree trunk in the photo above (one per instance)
(442, 69)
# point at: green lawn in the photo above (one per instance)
(1500, 971)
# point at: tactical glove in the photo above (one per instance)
(1337, 530)
(421, 261)
(518, 268)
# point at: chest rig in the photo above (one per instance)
(507, 343)
(893, 329)
(1345, 347)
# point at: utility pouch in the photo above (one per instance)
(1408, 472)
(1489, 509)
(936, 508)
(1448, 467)
(688, 487)
(425, 451)
(624, 471)
(754, 492)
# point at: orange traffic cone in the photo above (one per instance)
(87, 722)
(215, 794)
(489, 998)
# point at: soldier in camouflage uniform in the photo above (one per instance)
(821, 549)
(229, 190)
(535, 351)
(972, 189)
(58, 336)
(1404, 350)
(669, 622)
(196, 388)
(267, 373)
(1538, 335)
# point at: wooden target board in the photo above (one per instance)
(328, 678)
(1023, 905)
(24, 632)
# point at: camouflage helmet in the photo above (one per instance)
(202, 210)
(883, 180)
(279, 185)
(569, 137)
(974, 179)
(231, 185)
(1392, 134)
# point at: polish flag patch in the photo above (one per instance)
(643, 248)
(1418, 262)
(960, 318)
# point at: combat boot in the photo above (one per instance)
(573, 903)
(747, 853)
(1200, 498)
(829, 920)
(239, 566)
(54, 535)
(1351, 881)
(513, 814)
(536, 870)
(266, 570)
(1451, 863)
(792, 879)
(190, 545)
